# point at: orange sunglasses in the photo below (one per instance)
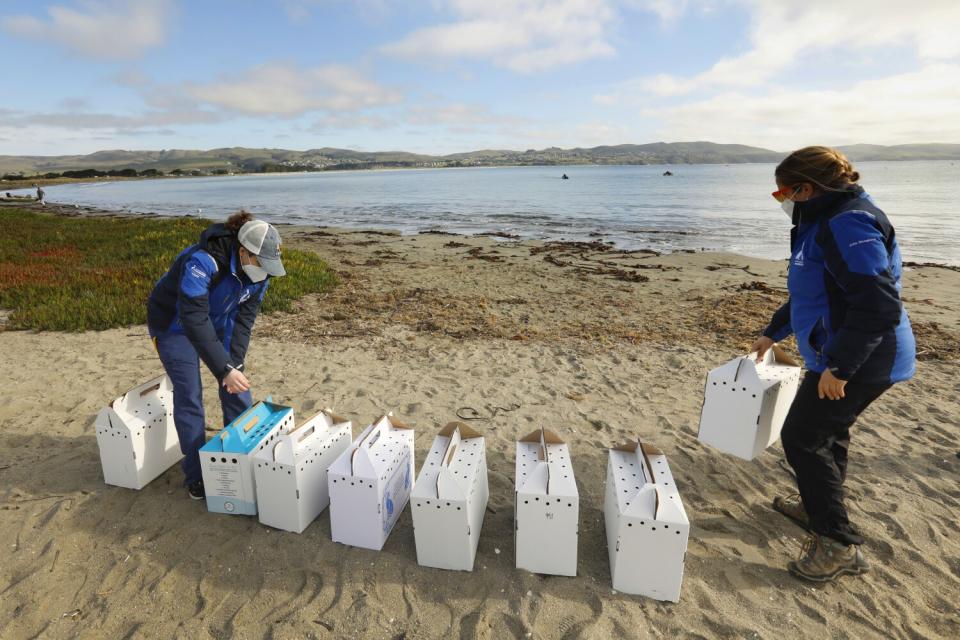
(782, 194)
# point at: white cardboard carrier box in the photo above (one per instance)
(746, 402)
(547, 510)
(292, 474)
(370, 484)
(647, 527)
(226, 460)
(136, 435)
(450, 499)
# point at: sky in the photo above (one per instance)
(442, 76)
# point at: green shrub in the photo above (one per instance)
(61, 273)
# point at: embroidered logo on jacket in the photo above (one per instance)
(798, 258)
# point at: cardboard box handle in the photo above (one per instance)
(736, 376)
(646, 460)
(244, 414)
(369, 440)
(306, 434)
(150, 389)
(254, 420)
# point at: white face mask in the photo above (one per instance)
(255, 273)
(787, 206)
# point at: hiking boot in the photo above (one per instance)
(792, 507)
(822, 559)
(196, 490)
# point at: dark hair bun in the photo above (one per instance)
(237, 220)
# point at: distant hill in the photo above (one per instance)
(867, 152)
(245, 160)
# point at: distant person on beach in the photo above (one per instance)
(40, 194)
(855, 337)
(204, 308)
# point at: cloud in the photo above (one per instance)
(336, 122)
(458, 114)
(287, 91)
(522, 35)
(108, 29)
(918, 106)
(369, 10)
(112, 121)
(785, 33)
(668, 11)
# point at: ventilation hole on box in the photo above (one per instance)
(223, 459)
(629, 524)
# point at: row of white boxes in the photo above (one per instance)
(262, 464)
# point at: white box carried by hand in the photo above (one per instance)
(746, 402)
(547, 511)
(450, 498)
(226, 460)
(136, 435)
(647, 527)
(370, 484)
(292, 474)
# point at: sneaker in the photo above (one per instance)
(792, 507)
(196, 491)
(822, 559)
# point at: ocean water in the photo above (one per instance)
(710, 207)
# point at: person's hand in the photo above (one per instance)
(761, 346)
(830, 386)
(236, 382)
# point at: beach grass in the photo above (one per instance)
(61, 273)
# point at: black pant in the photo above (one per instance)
(815, 438)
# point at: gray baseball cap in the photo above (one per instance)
(263, 240)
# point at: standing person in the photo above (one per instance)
(40, 194)
(204, 308)
(853, 333)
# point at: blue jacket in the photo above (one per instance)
(844, 283)
(207, 296)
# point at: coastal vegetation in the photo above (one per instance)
(77, 273)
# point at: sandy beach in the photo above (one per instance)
(599, 345)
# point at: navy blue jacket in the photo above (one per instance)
(207, 296)
(844, 283)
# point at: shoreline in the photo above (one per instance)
(78, 210)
